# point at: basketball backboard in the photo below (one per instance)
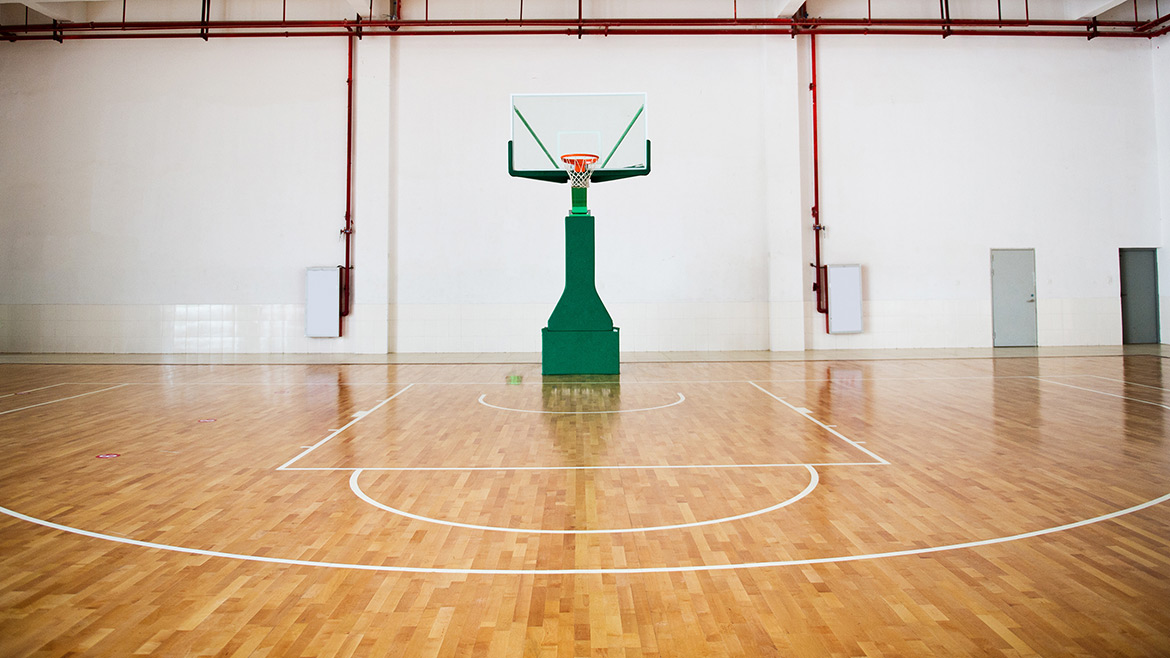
(548, 126)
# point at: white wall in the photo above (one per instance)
(680, 258)
(936, 151)
(166, 196)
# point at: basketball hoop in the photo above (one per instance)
(580, 167)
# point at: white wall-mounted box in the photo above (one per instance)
(323, 302)
(844, 299)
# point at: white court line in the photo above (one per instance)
(625, 467)
(621, 383)
(600, 571)
(1090, 390)
(72, 397)
(814, 478)
(698, 568)
(31, 390)
(1122, 381)
(680, 400)
(898, 379)
(342, 429)
(828, 429)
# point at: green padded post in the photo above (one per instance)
(580, 338)
(580, 201)
(580, 306)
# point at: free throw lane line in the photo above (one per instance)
(71, 397)
(342, 429)
(805, 412)
(814, 478)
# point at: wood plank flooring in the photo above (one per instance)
(983, 507)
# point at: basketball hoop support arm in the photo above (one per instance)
(580, 200)
(560, 176)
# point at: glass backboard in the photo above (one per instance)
(610, 126)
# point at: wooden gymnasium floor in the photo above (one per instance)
(981, 506)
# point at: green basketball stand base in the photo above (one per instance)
(579, 352)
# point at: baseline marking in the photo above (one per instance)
(624, 383)
(1112, 395)
(31, 390)
(805, 412)
(814, 478)
(71, 397)
(342, 429)
(640, 570)
(626, 467)
(680, 400)
(1122, 381)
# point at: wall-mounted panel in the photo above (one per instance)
(844, 299)
(323, 302)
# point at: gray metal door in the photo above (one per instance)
(1013, 297)
(1139, 296)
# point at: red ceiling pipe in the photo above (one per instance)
(254, 35)
(742, 25)
(1081, 34)
(11, 35)
(1152, 24)
(59, 34)
(820, 286)
(737, 26)
(347, 232)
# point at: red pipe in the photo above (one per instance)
(819, 283)
(347, 232)
(1152, 24)
(59, 35)
(743, 25)
(606, 26)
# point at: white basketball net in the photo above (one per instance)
(580, 169)
(580, 178)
